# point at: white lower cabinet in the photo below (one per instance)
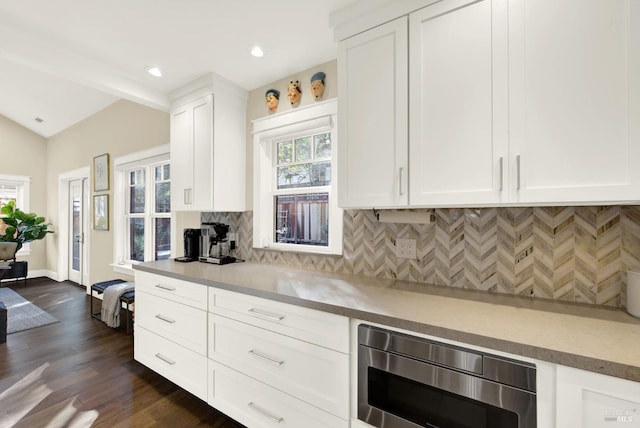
(264, 363)
(321, 328)
(181, 324)
(173, 290)
(171, 330)
(274, 364)
(256, 404)
(591, 400)
(180, 365)
(312, 373)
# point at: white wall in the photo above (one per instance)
(122, 128)
(257, 108)
(23, 152)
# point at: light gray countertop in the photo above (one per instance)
(599, 339)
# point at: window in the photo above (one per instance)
(142, 208)
(295, 207)
(16, 188)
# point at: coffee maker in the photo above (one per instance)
(215, 246)
(191, 245)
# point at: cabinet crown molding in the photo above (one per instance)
(210, 83)
(366, 14)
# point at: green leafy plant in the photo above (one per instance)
(22, 227)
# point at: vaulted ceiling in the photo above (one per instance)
(64, 60)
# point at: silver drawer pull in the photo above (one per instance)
(518, 171)
(266, 358)
(165, 319)
(267, 314)
(265, 413)
(165, 359)
(165, 287)
(501, 173)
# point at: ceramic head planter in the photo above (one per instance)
(294, 93)
(317, 85)
(272, 98)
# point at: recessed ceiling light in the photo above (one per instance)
(154, 71)
(257, 52)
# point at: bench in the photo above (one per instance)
(127, 299)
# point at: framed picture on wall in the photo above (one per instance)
(101, 172)
(101, 212)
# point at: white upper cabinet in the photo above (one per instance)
(574, 81)
(511, 102)
(208, 146)
(372, 106)
(458, 103)
(192, 154)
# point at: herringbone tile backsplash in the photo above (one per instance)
(578, 254)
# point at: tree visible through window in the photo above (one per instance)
(295, 207)
(303, 164)
(148, 212)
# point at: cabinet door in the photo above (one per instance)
(202, 154)
(192, 155)
(372, 106)
(591, 400)
(181, 155)
(458, 103)
(575, 100)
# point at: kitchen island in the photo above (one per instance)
(593, 338)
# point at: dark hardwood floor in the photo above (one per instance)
(80, 373)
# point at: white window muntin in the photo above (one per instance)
(316, 119)
(144, 176)
(19, 187)
(124, 164)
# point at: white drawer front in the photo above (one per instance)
(182, 324)
(257, 405)
(321, 328)
(309, 372)
(185, 292)
(183, 367)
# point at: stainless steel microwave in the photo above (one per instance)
(409, 382)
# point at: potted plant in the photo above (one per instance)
(21, 227)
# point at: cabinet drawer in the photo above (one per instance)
(181, 366)
(185, 292)
(310, 325)
(258, 405)
(309, 372)
(179, 323)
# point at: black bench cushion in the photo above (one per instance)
(129, 295)
(101, 286)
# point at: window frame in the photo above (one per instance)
(23, 198)
(311, 120)
(148, 160)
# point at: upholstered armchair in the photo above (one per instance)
(7, 256)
